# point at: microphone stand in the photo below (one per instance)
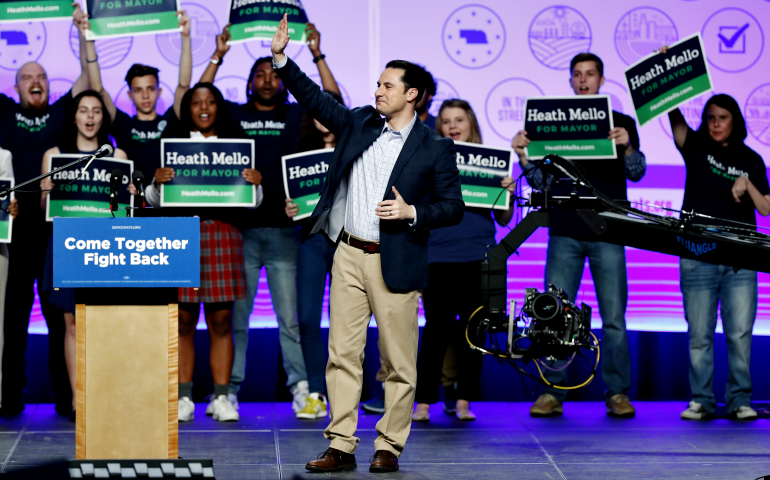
(5, 191)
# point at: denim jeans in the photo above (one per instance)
(703, 286)
(276, 250)
(564, 269)
(314, 262)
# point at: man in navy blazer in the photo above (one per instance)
(390, 182)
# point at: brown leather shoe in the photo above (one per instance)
(546, 405)
(332, 460)
(383, 461)
(620, 406)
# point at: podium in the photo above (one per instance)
(126, 272)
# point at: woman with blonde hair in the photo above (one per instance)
(454, 282)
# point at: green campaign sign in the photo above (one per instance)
(6, 219)
(574, 127)
(82, 192)
(659, 83)
(207, 173)
(303, 178)
(482, 170)
(258, 19)
(28, 10)
(125, 18)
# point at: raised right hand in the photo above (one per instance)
(222, 39)
(291, 209)
(663, 49)
(520, 142)
(163, 175)
(280, 39)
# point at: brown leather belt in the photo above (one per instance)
(368, 247)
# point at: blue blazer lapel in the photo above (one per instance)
(413, 141)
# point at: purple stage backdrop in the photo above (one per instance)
(492, 53)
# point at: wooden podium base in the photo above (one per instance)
(127, 381)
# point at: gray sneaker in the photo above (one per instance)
(696, 411)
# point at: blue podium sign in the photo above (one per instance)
(126, 252)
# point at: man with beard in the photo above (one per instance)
(29, 128)
(271, 239)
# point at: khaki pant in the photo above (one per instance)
(358, 290)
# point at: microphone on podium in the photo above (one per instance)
(137, 178)
(116, 178)
(104, 151)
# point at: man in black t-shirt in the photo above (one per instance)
(423, 107)
(271, 239)
(571, 241)
(29, 128)
(139, 136)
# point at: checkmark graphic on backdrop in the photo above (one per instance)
(735, 41)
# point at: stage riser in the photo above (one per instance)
(659, 369)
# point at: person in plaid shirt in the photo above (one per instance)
(204, 117)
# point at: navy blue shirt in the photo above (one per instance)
(464, 242)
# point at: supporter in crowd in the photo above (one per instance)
(726, 180)
(314, 262)
(6, 171)
(204, 117)
(454, 282)
(140, 135)
(28, 129)
(271, 239)
(86, 128)
(571, 241)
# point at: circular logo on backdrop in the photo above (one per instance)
(557, 34)
(21, 43)
(165, 101)
(444, 91)
(505, 103)
(733, 40)
(619, 99)
(642, 30)
(473, 36)
(261, 48)
(110, 51)
(233, 88)
(203, 36)
(692, 112)
(757, 112)
(57, 88)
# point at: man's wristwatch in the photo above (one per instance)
(216, 60)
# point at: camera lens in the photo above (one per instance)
(546, 306)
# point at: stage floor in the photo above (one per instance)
(504, 443)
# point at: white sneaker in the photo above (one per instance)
(186, 409)
(745, 413)
(230, 396)
(696, 411)
(234, 401)
(224, 411)
(300, 392)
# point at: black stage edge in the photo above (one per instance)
(126, 296)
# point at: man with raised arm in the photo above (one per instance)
(139, 136)
(391, 180)
(27, 130)
(270, 238)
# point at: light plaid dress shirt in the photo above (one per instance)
(368, 180)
